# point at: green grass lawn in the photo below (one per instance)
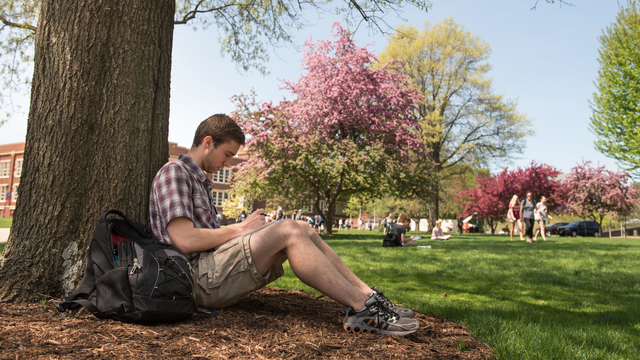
(5, 222)
(568, 298)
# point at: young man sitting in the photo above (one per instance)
(232, 261)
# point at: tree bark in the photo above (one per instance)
(96, 136)
(433, 205)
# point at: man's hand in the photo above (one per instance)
(255, 220)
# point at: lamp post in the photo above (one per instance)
(374, 212)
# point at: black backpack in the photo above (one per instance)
(133, 277)
(391, 239)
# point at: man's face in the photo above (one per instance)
(220, 156)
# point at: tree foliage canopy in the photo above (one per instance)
(616, 103)
(463, 121)
(17, 33)
(247, 28)
(348, 127)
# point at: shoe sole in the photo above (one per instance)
(357, 330)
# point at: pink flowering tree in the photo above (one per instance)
(595, 192)
(490, 199)
(348, 129)
(538, 178)
(487, 200)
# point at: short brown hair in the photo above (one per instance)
(221, 128)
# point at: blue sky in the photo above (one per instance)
(545, 58)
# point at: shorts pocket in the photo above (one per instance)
(222, 264)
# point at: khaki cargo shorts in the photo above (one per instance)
(227, 275)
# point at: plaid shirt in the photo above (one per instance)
(181, 189)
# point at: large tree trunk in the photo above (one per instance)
(433, 205)
(97, 133)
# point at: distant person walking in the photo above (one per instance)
(319, 223)
(513, 215)
(527, 208)
(460, 224)
(388, 223)
(541, 216)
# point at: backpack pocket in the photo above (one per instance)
(113, 293)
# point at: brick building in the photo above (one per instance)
(11, 156)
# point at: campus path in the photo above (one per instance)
(4, 235)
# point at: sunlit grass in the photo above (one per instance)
(5, 222)
(568, 298)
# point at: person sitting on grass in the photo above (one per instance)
(436, 234)
(232, 261)
(400, 229)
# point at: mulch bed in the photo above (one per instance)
(269, 324)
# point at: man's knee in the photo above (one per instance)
(288, 228)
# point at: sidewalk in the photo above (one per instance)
(4, 235)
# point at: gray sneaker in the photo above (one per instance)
(379, 319)
(403, 312)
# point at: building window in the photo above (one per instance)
(4, 168)
(222, 176)
(14, 194)
(3, 192)
(219, 197)
(307, 208)
(18, 168)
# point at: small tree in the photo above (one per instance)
(488, 200)
(234, 206)
(594, 192)
(347, 130)
(616, 115)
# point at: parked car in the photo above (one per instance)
(552, 229)
(583, 228)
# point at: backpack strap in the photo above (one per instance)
(74, 304)
(100, 243)
(144, 230)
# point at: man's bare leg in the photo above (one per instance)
(289, 240)
(336, 260)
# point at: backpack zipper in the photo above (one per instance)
(136, 265)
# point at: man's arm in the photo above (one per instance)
(189, 239)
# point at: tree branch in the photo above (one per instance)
(16, 25)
